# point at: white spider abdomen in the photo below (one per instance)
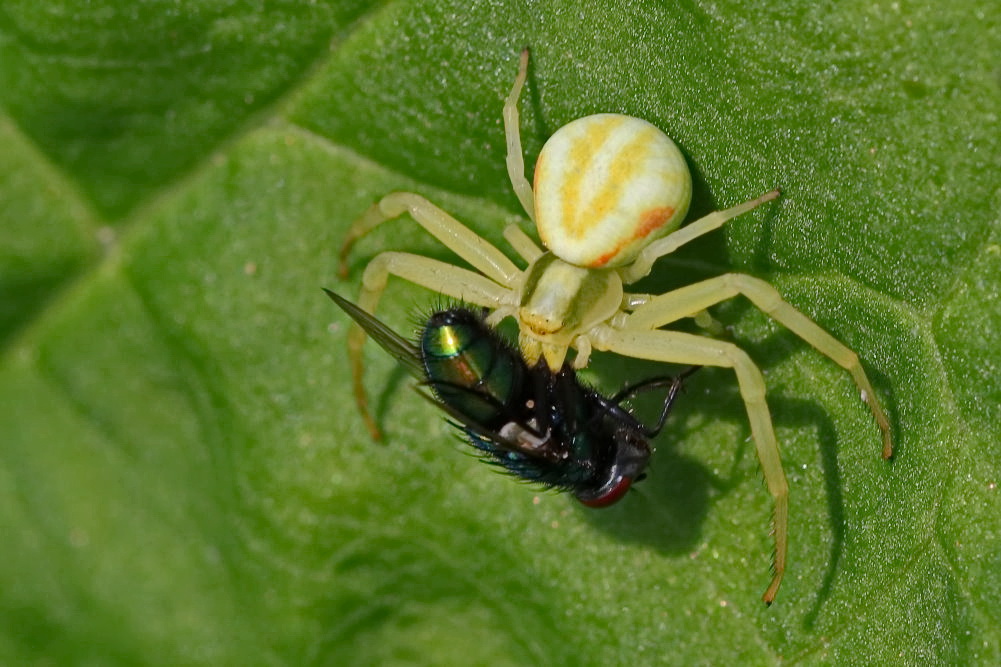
(607, 185)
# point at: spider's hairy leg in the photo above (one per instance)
(691, 299)
(453, 234)
(683, 348)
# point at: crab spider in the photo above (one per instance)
(609, 195)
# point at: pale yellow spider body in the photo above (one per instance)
(610, 193)
(605, 187)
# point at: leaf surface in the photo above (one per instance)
(183, 475)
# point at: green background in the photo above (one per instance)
(183, 476)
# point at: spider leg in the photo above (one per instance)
(437, 276)
(512, 133)
(683, 348)
(631, 301)
(665, 246)
(522, 243)
(692, 299)
(453, 234)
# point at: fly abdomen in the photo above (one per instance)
(469, 367)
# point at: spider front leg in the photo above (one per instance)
(486, 290)
(691, 299)
(458, 238)
(682, 348)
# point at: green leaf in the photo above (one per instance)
(183, 475)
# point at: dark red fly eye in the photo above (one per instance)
(611, 496)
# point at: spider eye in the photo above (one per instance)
(610, 494)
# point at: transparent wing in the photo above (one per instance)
(403, 350)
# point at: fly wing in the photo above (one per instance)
(402, 349)
(464, 422)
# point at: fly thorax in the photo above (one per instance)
(559, 301)
(465, 366)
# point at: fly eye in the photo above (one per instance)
(609, 495)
